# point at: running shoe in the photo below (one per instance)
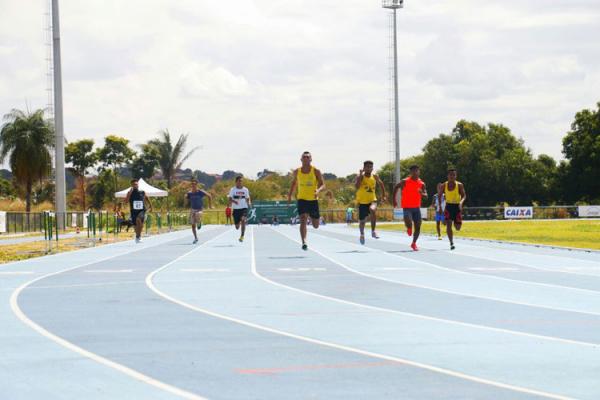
(195, 241)
(439, 238)
(138, 240)
(362, 239)
(414, 246)
(374, 235)
(409, 231)
(304, 246)
(241, 239)
(452, 246)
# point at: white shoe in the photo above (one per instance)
(195, 241)
(138, 240)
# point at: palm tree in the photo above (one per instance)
(170, 158)
(26, 139)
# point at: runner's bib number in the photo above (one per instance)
(138, 205)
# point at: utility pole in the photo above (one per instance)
(394, 5)
(60, 187)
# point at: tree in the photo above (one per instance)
(581, 147)
(171, 157)
(81, 157)
(146, 162)
(27, 139)
(115, 153)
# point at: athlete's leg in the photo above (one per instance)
(361, 226)
(438, 227)
(449, 232)
(303, 220)
(243, 224)
(139, 225)
(194, 230)
(417, 230)
(408, 222)
(373, 213)
(316, 222)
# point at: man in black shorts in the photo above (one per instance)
(239, 200)
(308, 183)
(455, 194)
(137, 200)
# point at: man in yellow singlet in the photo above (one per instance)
(307, 183)
(366, 184)
(455, 194)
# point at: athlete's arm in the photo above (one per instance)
(249, 200)
(209, 197)
(293, 187)
(398, 186)
(149, 202)
(320, 182)
(441, 189)
(128, 195)
(382, 186)
(423, 190)
(359, 179)
(463, 194)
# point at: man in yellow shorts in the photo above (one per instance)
(366, 185)
(455, 194)
(307, 183)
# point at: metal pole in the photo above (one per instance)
(396, 112)
(61, 205)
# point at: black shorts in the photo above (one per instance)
(452, 213)
(238, 214)
(135, 215)
(364, 210)
(310, 207)
(414, 214)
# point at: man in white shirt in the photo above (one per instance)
(239, 200)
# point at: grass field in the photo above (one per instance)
(583, 234)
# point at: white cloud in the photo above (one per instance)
(256, 82)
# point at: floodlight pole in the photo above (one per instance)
(394, 5)
(59, 170)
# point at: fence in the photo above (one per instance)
(108, 222)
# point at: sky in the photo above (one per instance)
(256, 82)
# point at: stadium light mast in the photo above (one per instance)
(59, 169)
(394, 5)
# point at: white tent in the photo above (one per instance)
(150, 190)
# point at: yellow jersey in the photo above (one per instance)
(366, 192)
(452, 196)
(307, 184)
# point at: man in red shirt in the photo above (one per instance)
(413, 190)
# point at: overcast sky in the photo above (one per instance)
(258, 83)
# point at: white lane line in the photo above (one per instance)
(398, 360)
(559, 270)
(108, 271)
(14, 305)
(455, 271)
(420, 316)
(16, 272)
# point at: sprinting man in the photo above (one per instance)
(439, 203)
(137, 200)
(366, 185)
(195, 199)
(308, 183)
(455, 194)
(413, 190)
(239, 199)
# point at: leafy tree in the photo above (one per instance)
(6, 188)
(205, 179)
(145, 163)
(81, 157)
(171, 157)
(26, 139)
(581, 147)
(229, 175)
(113, 156)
